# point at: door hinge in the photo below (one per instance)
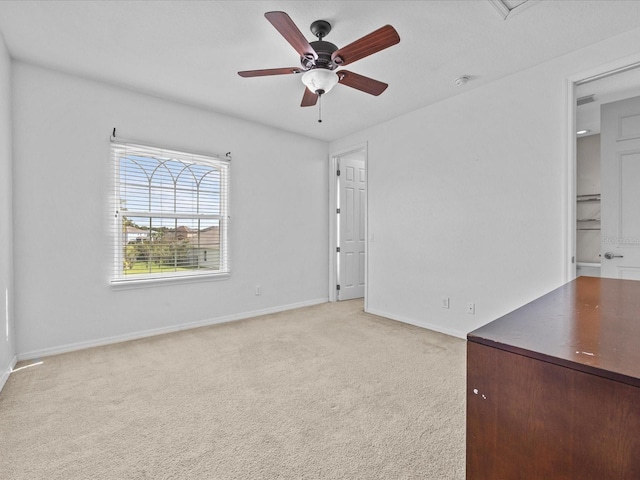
(338, 173)
(337, 287)
(337, 210)
(338, 249)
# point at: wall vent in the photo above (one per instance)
(586, 99)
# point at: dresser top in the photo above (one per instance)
(589, 324)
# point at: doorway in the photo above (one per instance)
(603, 178)
(348, 219)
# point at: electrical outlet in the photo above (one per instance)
(258, 290)
(444, 303)
(471, 308)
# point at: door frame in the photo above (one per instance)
(333, 218)
(617, 66)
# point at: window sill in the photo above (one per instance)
(163, 281)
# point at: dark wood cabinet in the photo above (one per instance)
(553, 388)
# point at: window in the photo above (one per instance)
(171, 213)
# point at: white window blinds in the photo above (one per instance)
(170, 213)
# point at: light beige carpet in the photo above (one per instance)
(320, 392)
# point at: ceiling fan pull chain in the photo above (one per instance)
(319, 108)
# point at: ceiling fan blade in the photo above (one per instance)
(269, 71)
(362, 83)
(309, 99)
(291, 33)
(382, 38)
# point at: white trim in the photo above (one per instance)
(588, 264)
(591, 74)
(140, 281)
(333, 236)
(7, 371)
(418, 323)
(160, 331)
(366, 226)
(569, 216)
(609, 73)
(504, 11)
(501, 8)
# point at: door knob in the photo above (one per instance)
(610, 255)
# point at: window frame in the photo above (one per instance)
(120, 148)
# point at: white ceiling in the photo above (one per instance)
(190, 51)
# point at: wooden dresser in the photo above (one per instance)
(553, 388)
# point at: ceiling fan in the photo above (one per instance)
(319, 59)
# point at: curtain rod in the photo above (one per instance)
(608, 74)
(113, 138)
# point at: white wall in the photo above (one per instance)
(7, 347)
(467, 198)
(279, 211)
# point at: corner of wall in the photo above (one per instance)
(7, 340)
(4, 375)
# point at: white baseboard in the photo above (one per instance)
(160, 331)
(4, 375)
(418, 323)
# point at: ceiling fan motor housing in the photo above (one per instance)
(324, 51)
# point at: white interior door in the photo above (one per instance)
(620, 157)
(351, 232)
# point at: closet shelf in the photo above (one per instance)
(592, 197)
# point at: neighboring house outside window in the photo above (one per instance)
(171, 213)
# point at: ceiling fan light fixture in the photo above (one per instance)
(320, 80)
